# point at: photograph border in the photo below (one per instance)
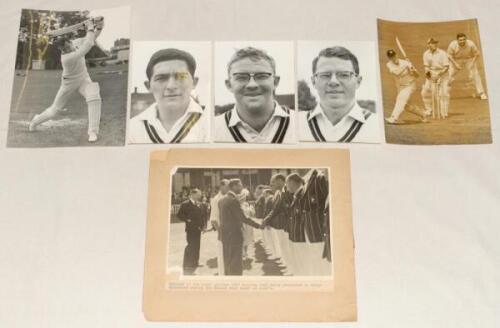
(337, 304)
(183, 277)
(478, 136)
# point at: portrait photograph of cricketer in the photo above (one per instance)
(249, 222)
(254, 92)
(170, 92)
(337, 92)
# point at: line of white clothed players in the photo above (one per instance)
(295, 215)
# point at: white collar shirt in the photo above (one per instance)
(229, 127)
(358, 125)
(189, 128)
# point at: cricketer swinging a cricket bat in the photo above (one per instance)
(73, 28)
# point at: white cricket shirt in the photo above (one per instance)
(280, 128)
(191, 127)
(466, 52)
(359, 125)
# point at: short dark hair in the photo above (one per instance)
(338, 52)
(224, 182)
(171, 54)
(234, 182)
(295, 178)
(260, 187)
(461, 35)
(278, 176)
(252, 53)
(194, 191)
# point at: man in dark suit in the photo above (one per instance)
(232, 219)
(191, 213)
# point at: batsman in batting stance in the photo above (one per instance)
(463, 55)
(405, 76)
(76, 77)
(436, 88)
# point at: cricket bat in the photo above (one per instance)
(403, 53)
(73, 28)
(401, 50)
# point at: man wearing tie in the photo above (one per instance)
(191, 213)
(232, 219)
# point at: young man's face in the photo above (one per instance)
(224, 189)
(67, 47)
(461, 41)
(432, 46)
(171, 84)
(277, 184)
(254, 93)
(196, 196)
(237, 188)
(333, 91)
(292, 186)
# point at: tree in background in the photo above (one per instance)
(307, 101)
(33, 42)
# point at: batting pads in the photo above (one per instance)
(90, 90)
(93, 98)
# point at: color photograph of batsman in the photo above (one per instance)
(70, 82)
(250, 222)
(433, 83)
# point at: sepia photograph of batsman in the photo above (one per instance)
(433, 83)
(71, 85)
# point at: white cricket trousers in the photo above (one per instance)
(284, 244)
(473, 76)
(276, 243)
(402, 99)
(309, 259)
(443, 93)
(86, 88)
(267, 235)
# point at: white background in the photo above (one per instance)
(281, 51)
(426, 218)
(365, 52)
(201, 51)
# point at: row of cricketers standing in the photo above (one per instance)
(295, 219)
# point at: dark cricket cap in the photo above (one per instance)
(391, 53)
(432, 40)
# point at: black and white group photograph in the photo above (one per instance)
(170, 92)
(236, 221)
(70, 81)
(254, 92)
(433, 83)
(337, 92)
